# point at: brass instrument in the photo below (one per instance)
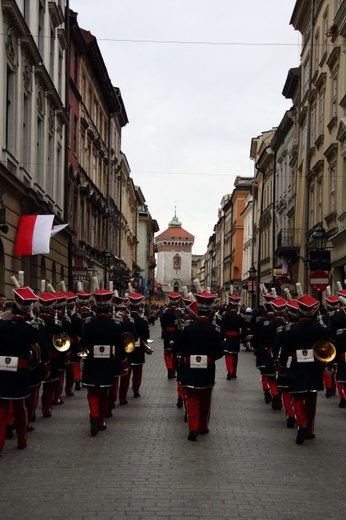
(35, 356)
(324, 351)
(129, 342)
(148, 349)
(61, 342)
(83, 352)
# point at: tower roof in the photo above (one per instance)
(175, 231)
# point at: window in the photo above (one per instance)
(10, 110)
(311, 206)
(332, 188)
(334, 93)
(39, 151)
(317, 51)
(75, 133)
(306, 76)
(313, 125)
(26, 132)
(321, 114)
(176, 262)
(325, 32)
(319, 200)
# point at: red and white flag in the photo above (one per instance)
(34, 234)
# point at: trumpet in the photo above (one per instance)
(148, 349)
(61, 342)
(324, 351)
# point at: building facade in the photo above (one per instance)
(174, 257)
(33, 57)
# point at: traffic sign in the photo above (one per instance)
(319, 280)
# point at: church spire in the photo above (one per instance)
(175, 222)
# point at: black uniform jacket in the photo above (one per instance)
(170, 330)
(200, 346)
(137, 357)
(337, 332)
(266, 341)
(16, 338)
(102, 338)
(306, 372)
(233, 328)
(51, 329)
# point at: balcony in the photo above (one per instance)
(288, 244)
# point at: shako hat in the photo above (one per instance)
(119, 301)
(174, 298)
(279, 306)
(293, 308)
(83, 297)
(24, 298)
(103, 298)
(193, 309)
(60, 299)
(342, 296)
(47, 300)
(234, 299)
(332, 302)
(205, 301)
(308, 306)
(71, 298)
(135, 299)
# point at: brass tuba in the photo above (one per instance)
(61, 342)
(324, 351)
(129, 342)
(35, 356)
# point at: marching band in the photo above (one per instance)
(99, 341)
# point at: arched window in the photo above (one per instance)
(177, 262)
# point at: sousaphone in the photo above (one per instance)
(324, 351)
(61, 342)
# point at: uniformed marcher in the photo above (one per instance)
(127, 325)
(200, 346)
(233, 327)
(170, 320)
(18, 347)
(267, 337)
(136, 359)
(76, 329)
(260, 351)
(52, 327)
(103, 345)
(337, 332)
(306, 370)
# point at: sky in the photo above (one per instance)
(199, 80)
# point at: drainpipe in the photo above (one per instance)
(261, 170)
(67, 128)
(307, 158)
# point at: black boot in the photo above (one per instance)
(193, 435)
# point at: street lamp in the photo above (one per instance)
(105, 259)
(320, 238)
(252, 278)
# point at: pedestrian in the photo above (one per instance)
(306, 369)
(200, 346)
(101, 340)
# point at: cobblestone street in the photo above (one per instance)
(143, 467)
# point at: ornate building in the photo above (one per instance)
(174, 257)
